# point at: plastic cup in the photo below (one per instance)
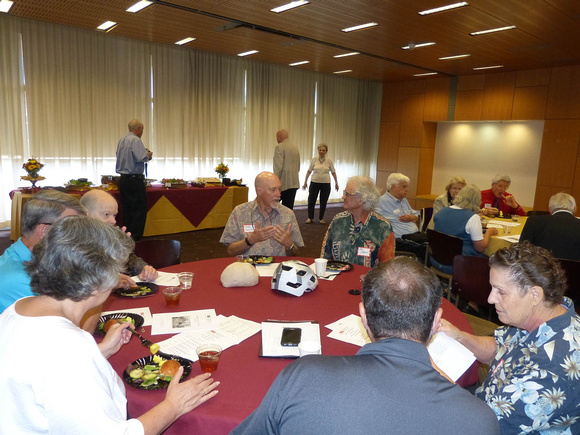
(320, 265)
(172, 296)
(185, 279)
(209, 357)
(309, 348)
(507, 229)
(242, 258)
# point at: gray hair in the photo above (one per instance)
(501, 177)
(396, 178)
(456, 180)
(322, 145)
(135, 124)
(78, 256)
(46, 207)
(366, 190)
(562, 201)
(401, 298)
(469, 198)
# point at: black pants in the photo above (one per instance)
(134, 203)
(287, 196)
(313, 190)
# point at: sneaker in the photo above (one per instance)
(309, 221)
(321, 221)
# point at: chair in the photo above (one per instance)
(426, 215)
(471, 281)
(159, 253)
(443, 249)
(537, 213)
(572, 269)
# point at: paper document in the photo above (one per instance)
(512, 239)
(267, 269)
(272, 334)
(143, 312)
(329, 275)
(163, 278)
(185, 321)
(502, 223)
(450, 355)
(350, 330)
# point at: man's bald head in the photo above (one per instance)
(268, 187)
(281, 135)
(101, 205)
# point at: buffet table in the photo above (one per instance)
(245, 377)
(169, 210)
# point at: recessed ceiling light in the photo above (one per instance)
(139, 5)
(499, 29)
(425, 74)
(185, 41)
(360, 27)
(412, 46)
(247, 53)
(342, 72)
(107, 26)
(443, 8)
(352, 53)
(300, 63)
(289, 6)
(459, 56)
(5, 5)
(488, 67)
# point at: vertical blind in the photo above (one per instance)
(67, 95)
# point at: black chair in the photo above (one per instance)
(426, 215)
(572, 269)
(471, 281)
(444, 248)
(159, 253)
(537, 213)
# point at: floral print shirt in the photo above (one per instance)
(533, 384)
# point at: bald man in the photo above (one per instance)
(287, 168)
(263, 226)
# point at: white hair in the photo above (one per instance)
(396, 178)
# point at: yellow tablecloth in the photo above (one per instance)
(496, 242)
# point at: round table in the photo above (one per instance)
(245, 377)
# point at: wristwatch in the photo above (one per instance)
(292, 246)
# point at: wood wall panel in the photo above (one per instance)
(468, 105)
(425, 175)
(471, 83)
(388, 146)
(543, 194)
(412, 120)
(559, 153)
(392, 102)
(498, 96)
(564, 93)
(381, 180)
(533, 77)
(429, 135)
(414, 87)
(576, 184)
(530, 103)
(409, 159)
(437, 99)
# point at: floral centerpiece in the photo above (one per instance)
(32, 168)
(222, 169)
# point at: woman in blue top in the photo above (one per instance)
(319, 168)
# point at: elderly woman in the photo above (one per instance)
(359, 235)
(461, 220)
(532, 383)
(446, 199)
(319, 168)
(55, 377)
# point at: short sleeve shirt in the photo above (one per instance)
(320, 170)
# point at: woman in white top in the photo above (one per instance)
(56, 379)
(320, 183)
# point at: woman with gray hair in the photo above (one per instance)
(319, 168)
(57, 379)
(451, 190)
(461, 220)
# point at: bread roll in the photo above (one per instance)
(169, 368)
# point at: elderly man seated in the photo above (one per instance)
(359, 235)
(43, 210)
(263, 226)
(558, 232)
(390, 385)
(496, 199)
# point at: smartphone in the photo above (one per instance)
(291, 336)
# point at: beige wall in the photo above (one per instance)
(411, 109)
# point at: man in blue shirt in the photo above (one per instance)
(131, 158)
(44, 209)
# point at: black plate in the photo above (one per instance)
(141, 362)
(338, 266)
(135, 293)
(261, 259)
(137, 321)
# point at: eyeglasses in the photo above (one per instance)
(345, 193)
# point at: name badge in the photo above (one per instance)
(248, 228)
(364, 252)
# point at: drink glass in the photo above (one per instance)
(172, 296)
(185, 279)
(309, 348)
(209, 356)
(320, 265)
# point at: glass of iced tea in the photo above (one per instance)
(209, 356)
(172, 295)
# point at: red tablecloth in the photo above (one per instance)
(244, 376)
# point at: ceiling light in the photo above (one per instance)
(412, 46)
(5, 5)
(342, 72)
(499, 29)
(360, 27)
(459, 56)
(488, 67)
(107, 26)
(139, 5)
(185, 41)
(289, 6)
(352, 53)
(247, 53)
(299, 63)
(443, 8)
(425, 74)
